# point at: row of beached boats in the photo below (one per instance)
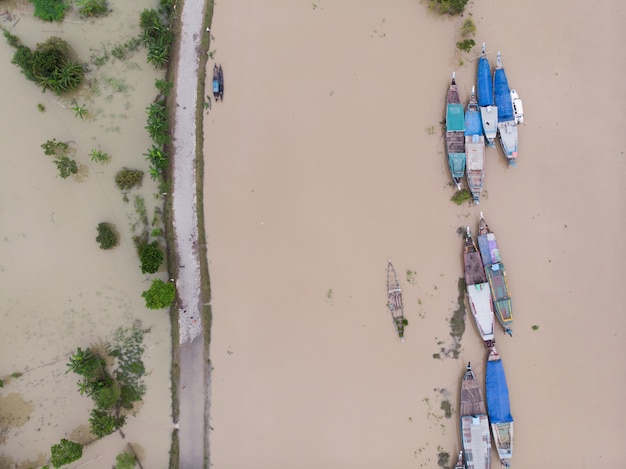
(488, 296)
(495, 112)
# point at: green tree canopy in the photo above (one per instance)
(160, 295)
(125, 461)
(107, 235)
(65, 452)
(151, 257)
(103, 423)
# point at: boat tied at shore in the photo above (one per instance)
(518, 108)
(507, 128)
(496, 275)
(474, 148)
(478, 291)
(498, 407)
(455, 134)
(488, 108)
(474, 423)
(394, 300)
(218, 82)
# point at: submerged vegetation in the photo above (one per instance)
(460, 197)
(65, 452)
(107, 235)
(447, 7)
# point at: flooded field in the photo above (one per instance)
(59, 290)
(326, 158)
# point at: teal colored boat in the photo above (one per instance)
(455, 134)
(496, 275)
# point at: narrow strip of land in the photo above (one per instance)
(193, 386)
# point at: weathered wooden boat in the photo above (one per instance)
(488, 108)
(474, 423)
(455, 134)
(478, 291)
(216, 82)
(518, 108)
(460, 463)
(474, 148)
(394, 300)
(507, 129)
(496, 275)
(220, 79)
(498, 407)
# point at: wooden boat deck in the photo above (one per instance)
(472, 402)
(474, 270)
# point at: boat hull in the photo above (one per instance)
(498, 407)
(489, 117)
(507, 135)
(475, 166)
(476, 441)
(481, 305)
(503, 440)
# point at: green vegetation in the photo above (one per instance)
(55, 148)
(447, 7)
(79, 110)
(535, 327)
(126, 178)
(128, 349)
(41, 107)
(51, 65)
(442, 458)
(447, 408)
(50, 10)
(157, 36)
(107, 235)
(92, 7)
(460, 197)
(468, 29)
(164, 86)
(401, 323)
(65, 452)
(16, 374)
(103, 423)
(98, 156)
(158, 125)
(465, 45)
(160, 294)
(125, 461)
(66, 166)
(151, 257)
(158, 162)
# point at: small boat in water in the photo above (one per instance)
(394, 300)
(496, 275)
(474, 148)
(474, 423)
(460, 463)
(498, 407)
(478, 291)
(507, 129)
(488, 108)
(218, 82)
(518, 108)
(455, 134)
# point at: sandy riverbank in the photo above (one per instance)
(320, 165)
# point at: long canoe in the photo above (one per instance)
(394, 300)
(498, 407)
(507, 129)
(488, 108)
(474, 148)
(455, 134)
(474, 423)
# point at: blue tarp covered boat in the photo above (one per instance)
(498, 407)
(507, 129)
(488, 108)
(455, 134)
(474, 148)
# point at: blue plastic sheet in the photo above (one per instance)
(484, 83)
(503, 96)
(498, 406)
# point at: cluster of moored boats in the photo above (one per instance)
(488, 297)
(494, 113)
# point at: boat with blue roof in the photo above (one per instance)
(507, 127)
(488, 107)
(499, 407)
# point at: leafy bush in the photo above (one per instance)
(86, 363)
(466, 45)
(469, 28)
(448, 7)
(66, 166)
(103, 423)
(65, 452)
(461, 196)
(125, 461)
(106, 397)
(160, 294)
(126, 178)
(55, 148)
(98, 156)
(157, 36)
(92, 7)
(158, 162)
(151, 257)
(50, 10)
(158, 123)
(107, 235)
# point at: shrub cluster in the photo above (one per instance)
(126, 178)
(107, 235)
(448, 7)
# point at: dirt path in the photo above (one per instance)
(192, 393)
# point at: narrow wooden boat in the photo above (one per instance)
(460, 463)
(478, 291)
(496, 275)
(498, 407)
(220, 80)
(455, 134)
(474, 423)
(488, 108)
(507, 129)
(216, 82)
(474, 148)
(394, 300)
